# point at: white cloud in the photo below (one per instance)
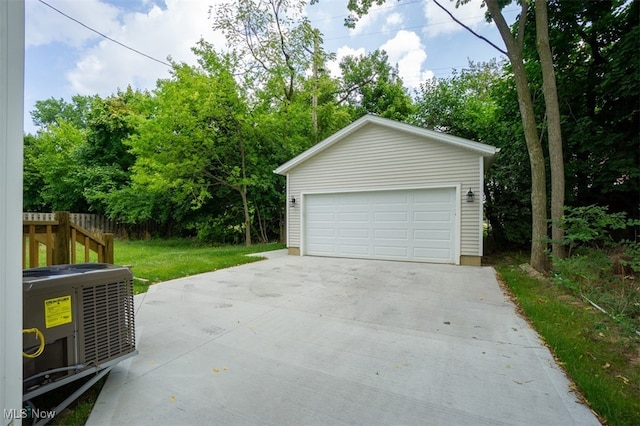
(334, 67)
(394, 19)
(439, 22)
(407, 51)
(44, 25)
(159, 33)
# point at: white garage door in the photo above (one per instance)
(417, 225)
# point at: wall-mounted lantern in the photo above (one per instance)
(470, 196)
(292, 202)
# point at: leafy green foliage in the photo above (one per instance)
(272, 36)
(595, 266)
(50, 112)
(464, 105)
(198, 143)
(631, 255)
(33, 179)
(592, 226)
(371, 86)
(598, 78)
(53, 157)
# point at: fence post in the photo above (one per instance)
(61, 253)
(108, 248)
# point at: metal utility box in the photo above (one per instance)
(85, 313)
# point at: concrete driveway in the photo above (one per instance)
(308, 340)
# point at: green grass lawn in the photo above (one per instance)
(155, 261)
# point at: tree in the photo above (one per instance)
(50, 111)
(54, 154)
(595, 45)
(272, 36)
(463, 105)
(514, 46)
(197, 143)
(554, 131)
(105, 157)
(370, 85)
(33, 179)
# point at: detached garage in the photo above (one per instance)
(380, 189)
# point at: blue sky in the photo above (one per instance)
(63, 58)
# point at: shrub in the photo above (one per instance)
(591, 226)
(597, 267)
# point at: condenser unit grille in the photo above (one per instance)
(107, 324)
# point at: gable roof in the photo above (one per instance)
(480, 148)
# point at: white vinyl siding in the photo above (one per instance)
(377, 157)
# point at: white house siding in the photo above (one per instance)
(377, 157)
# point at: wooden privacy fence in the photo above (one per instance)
(60, 238)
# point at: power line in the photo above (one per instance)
(415, 27)
(104, 35)
(466, 27)
(392, 6)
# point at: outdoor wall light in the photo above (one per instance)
(470, 196)
(292, 202)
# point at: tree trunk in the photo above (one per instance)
(247, 218)
(556, 158)
(538, 258)
(242, 188)
(314, 99)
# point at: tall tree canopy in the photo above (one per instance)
(370, 85)
(197, 144)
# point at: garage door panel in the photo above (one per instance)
(433, 206)
(354, 233)
(391, 251)
(431, 244)
(322, 249)
(430, 255)
(353, 250)
(392, 226)
(358, 199)
(431, 226)
(433, 216)
(320, 235)
(399, 225)
(432, 235)
(394, 234)
(319, 217)
(354, 217)
(401, 216)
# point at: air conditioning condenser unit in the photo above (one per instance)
(78, 321)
